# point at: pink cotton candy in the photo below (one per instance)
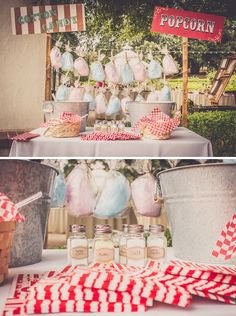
(140, 72)
(80, 192)
(169, 65)
(143, 193)
(112, 73)
(55, 56)
(81, 66)
(75, 94)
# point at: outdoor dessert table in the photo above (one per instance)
(56, 259)
(183, 143)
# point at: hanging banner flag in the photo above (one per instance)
(188, 24)
(48, 19)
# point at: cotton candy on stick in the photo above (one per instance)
(80, 192)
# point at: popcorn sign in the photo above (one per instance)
(48, 19)
(188, 24)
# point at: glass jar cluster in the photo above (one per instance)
(109, 126)
(135, 246)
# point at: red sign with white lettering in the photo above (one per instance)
(188, 24)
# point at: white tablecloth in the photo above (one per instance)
(56, 259)
(183, 143)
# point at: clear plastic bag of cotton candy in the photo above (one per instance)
(81, 191)
(59, 194)
(144, 193)
(114, 195)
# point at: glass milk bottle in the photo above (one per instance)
(122, 245)
(156, 243)
(136, 246)
(104, 251)
(78, 246)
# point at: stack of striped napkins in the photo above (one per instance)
(118, 288)
(101, 288)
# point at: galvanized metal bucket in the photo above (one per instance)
(139, 109)
(54, 109)
(20, 179)
(199, 200)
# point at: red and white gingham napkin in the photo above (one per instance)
(65, 117)
(226, 244)
(111, 136)
(8, 210)
(158, 123)
(25, 136)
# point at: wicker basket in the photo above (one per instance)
(147, 134)
(64, 129)
(6, 237)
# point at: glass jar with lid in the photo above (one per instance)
(104, 251)
(122, 245)
(136, 246)
(78, 246)
(156, 243)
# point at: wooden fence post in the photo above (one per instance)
(185, 83)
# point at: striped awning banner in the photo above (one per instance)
(48, 19)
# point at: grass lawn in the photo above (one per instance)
(200, 84)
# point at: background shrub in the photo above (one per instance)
(219, 127)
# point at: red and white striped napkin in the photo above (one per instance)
(226, 244)
(111, 136)
(8, 210)
(117, 288)
(25, 137)
(158, 123)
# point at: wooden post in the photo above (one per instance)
(185, 83)
(48, 93)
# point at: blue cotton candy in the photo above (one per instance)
(114, 105)
(165, 94)
(115, 196)
(97, 72)
(59, 194)
(154, 70)
(61, 93)
(89, 98)
(127, 74)
(67, 62)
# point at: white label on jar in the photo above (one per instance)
(79, 252)
(104, 255)
(155, 252)
(136, 253)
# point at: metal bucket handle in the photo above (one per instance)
(48, 107)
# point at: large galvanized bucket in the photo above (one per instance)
(139, 109)
(54, 109)
(199, 200)
(19, 180)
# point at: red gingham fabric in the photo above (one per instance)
(67, 117)
(8, 210)
(226, 244)
(158, 123)
(111, 136)
(25, 136)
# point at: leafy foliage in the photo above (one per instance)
(219, 127)
(116, 22)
